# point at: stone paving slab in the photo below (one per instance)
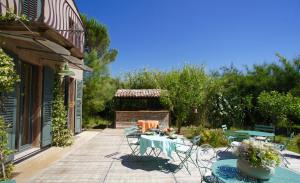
(105, 159)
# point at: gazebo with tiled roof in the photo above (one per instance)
(139, 104)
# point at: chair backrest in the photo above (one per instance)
(241, 136)
(131, 130)
(265, 128)
(196, 140)
(224, 127)
(292, 135)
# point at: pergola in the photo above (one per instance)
(139, 104)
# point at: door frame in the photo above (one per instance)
(20, 107)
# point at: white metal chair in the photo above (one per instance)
(224, 128)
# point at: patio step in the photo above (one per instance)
(123, 124)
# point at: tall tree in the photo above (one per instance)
(99, 87)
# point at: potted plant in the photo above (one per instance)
(257, 159)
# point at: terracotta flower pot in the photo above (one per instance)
(256, 172)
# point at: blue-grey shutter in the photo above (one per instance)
(47, 106)
(9, 115)
(32, 9)
(78, 108)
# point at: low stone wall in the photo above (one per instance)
(124, 119)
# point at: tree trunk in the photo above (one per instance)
(178, 124)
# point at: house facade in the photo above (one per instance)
(53, 37)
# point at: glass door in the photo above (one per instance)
(24, 126)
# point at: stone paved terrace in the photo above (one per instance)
(104, 158)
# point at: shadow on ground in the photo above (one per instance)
(293, 156)
(148, 163)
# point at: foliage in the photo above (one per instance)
(8, 75)
(99, 87)
(226, 110)
(183, 89)
(258, 154)
(225, 101)
(190, 131)
(8, 79)
(282, 109)
(143, 79)
(10, 16)
(214, 137)
(96, 36)
(296, 142)
(185, 92)
(5, 152)
(96, 122)
(61, 135)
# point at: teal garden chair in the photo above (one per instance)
(282, 147)
(234, 139)
(133, 139)
(185, 152)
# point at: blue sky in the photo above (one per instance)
(165, 34)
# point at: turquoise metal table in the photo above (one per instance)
(256, 133)
(226, 171)
(166, 145)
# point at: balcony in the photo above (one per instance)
(57, 20)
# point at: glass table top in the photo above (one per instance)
(227, 172)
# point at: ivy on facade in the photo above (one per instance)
(8, 79)
(61, 135)
(6, 166)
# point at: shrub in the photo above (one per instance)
(282, 109)
(226, 110)
(296, 141)
(95, 122)
(214, 137)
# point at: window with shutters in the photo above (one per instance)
(30, 9)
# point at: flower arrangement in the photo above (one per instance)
(258, 154)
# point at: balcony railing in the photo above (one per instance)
(60, 15)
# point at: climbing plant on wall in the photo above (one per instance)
(8, 75)
(6, 166)
(10, 17)
(8, 79)
(61, 135)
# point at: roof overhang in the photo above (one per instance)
(139, 93)
(45, 48)
(43, 30)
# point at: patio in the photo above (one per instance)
(104, 158)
